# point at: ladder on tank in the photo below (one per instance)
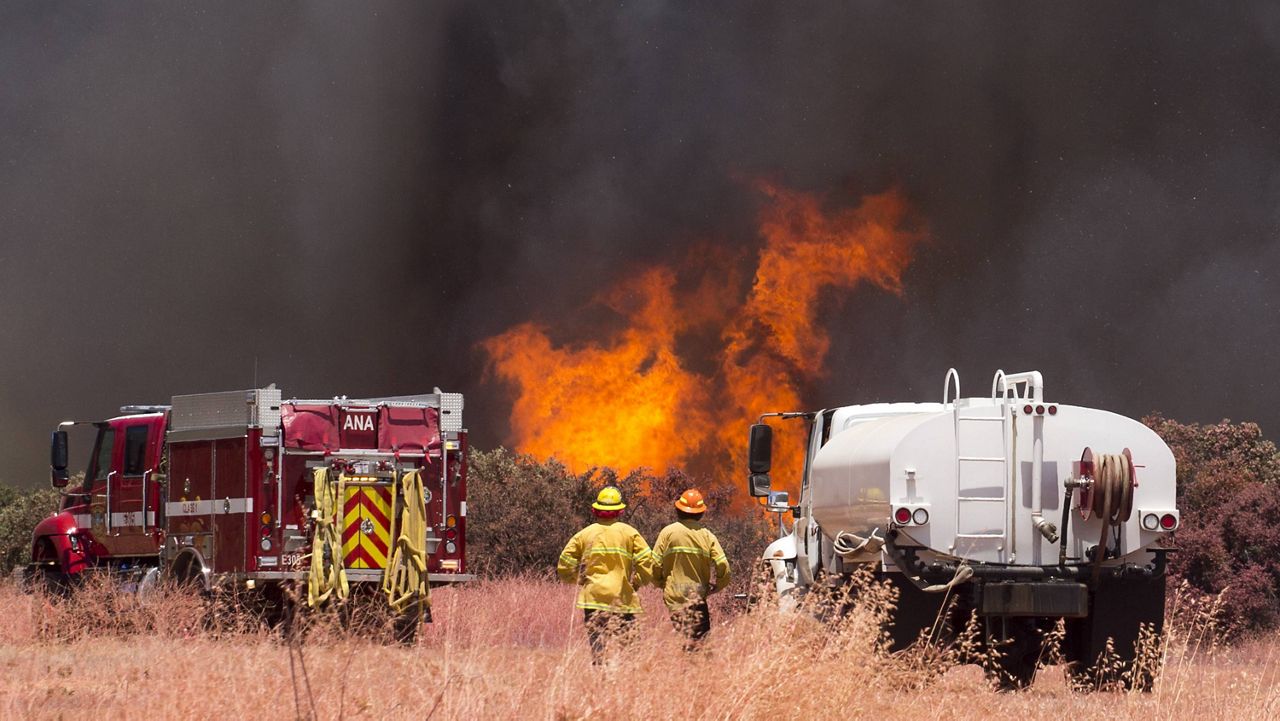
(982, 481)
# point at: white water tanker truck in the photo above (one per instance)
(1009, 509)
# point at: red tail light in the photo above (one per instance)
(1026, 410)
(1039, 410)
(902, 515)
(1168, 521)
(1053, 410)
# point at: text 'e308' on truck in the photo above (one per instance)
(219, 490)
(1021, 511)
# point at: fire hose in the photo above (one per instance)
(1111, 497)
(405, 580)
(326, 577)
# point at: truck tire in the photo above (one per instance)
(405, 625)
(1013, 647)
(1119, 608)
(916, 614)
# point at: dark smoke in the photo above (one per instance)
(349, 196)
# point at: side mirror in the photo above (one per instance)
(758, 485)
(58, 460)
(760, 451)
(779, 502)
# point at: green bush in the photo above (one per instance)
(20, 511)
(521, 511)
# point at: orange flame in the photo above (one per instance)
(631, 399)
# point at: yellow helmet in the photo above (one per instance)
(609, 499)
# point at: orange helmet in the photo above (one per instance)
(691, 502)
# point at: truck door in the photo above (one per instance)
(97, 483)
(129, 520)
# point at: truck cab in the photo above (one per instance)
(110, 518)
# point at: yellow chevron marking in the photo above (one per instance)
(356, 519)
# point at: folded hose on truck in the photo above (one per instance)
(1111, 499)
(327, 577)
(405, 578)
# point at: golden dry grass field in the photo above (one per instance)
(515, 649)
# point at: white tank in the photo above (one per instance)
(970, 465)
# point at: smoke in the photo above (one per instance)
(350, 197)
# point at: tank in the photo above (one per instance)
(971, 465)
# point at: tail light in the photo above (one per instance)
(911, 515)
(1160, 520)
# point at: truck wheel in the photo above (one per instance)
(1129, 612)
(404, 627)
(1013, 647)
(916, 613)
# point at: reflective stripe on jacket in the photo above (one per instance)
(609, 553)
(686, 552)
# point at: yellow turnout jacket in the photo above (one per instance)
(609, 552)
(686, 552)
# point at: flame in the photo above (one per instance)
(642, 397)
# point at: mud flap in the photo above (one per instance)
(915, 613)
(1118, 608)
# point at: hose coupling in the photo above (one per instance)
(1047, 529)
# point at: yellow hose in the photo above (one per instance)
(405, 578)
(327, 577)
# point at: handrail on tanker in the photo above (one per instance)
(998, 386)
(1006, 382)
(946, 387)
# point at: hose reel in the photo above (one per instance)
(1106, 482)
(1109, 495)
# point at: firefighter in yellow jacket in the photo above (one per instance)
(687, 552)
(602, 559)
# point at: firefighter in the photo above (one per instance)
(687, 552)
(602, 559)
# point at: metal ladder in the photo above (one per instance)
(982, 473)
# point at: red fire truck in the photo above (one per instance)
(219, 490)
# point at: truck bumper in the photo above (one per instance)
(1052, 599)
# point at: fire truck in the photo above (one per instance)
(1010, 509)
(228, 490)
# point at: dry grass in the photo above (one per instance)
(514, 649)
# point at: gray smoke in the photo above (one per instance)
(347, 197)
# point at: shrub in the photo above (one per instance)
(20, 511)
(1229, 494)
(521, 511)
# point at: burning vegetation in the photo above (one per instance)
(701, 352)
